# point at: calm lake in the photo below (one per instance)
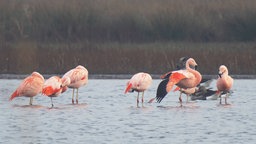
(106, 115)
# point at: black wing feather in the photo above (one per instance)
(161, 90)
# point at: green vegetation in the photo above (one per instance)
(126, 36)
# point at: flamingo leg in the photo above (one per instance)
(142, 99)
(220, 99)
(187, 97)
(138, 99)
(77, 96)
(226, 98)
(73, 96)
(52, 102)
(180, 99)
(31, 101)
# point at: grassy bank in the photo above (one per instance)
(120, 58)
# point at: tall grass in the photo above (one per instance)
(118, 58)
(128, 20)
(126, 36)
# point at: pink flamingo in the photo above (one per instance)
(139, 83)
(54, 86)
(29, 87)
(78, 77)
(184, 79)
(224, 82)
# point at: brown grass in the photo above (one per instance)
(118, 58)
(128, 20)
(126, 36)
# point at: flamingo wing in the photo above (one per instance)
(174, 79)
(22, 87)
(161, 90)
(165, 76)
(52, 86)
(210, 92)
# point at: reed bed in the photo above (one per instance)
(128, 20)
(126, 36)
(119, 58)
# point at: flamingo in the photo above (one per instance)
(139, 83)
(184, 79)
(195, 93)
(224, 82)
(78, 77)
(54, 86)
(29, 87)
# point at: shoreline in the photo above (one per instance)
(117, 76)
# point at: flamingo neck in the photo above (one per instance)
(196, 73)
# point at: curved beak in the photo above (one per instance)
(220, 74)
(196, 67)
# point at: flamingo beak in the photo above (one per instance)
(220, 75)
(195, 67)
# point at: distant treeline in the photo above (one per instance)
(126, 36)
(128, 20)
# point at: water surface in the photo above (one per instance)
(106, 115)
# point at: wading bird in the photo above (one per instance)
(224, 82)
(29, 87)
(139, 83)
(78, 77)
(54, 86)
(183, 78)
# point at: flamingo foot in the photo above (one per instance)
(76, 101)
(180, 101)
(138, 103)
(73, 102)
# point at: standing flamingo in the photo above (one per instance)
(29, 87)
(54, 86)
(224, 82)
(78, 77)
(184, 78)
(139, 83)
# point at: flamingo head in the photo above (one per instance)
(191, 62)
(222, 70)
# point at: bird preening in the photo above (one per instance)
(52, 87)
(139, 83)
(29, 87)
(185, 78)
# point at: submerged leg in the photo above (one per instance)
(226, 98)
(180, 100)
(187, 97)
(220, 98)
(142, 99)
(76, 96)
(138, 99)
(52, 102)
(31, 101)
(73, 96)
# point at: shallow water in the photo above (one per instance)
(106, 115)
